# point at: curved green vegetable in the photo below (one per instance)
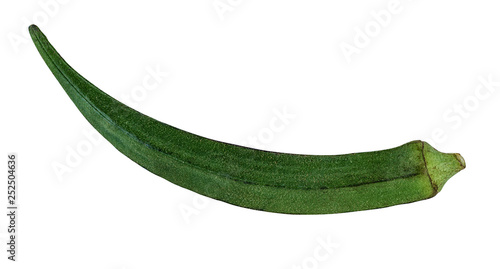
(262, 180)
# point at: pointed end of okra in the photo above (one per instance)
(33, 29)
(441, 166)
(35, 33)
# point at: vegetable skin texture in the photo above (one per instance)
(251, 178)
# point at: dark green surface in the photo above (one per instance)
(263, 180)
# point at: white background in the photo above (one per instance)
(416, 77)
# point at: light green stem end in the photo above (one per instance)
(441, 166)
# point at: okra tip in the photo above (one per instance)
(33, 28)
(441, 166)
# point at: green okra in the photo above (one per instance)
(251, 178)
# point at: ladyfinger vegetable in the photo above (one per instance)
(251, 178)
